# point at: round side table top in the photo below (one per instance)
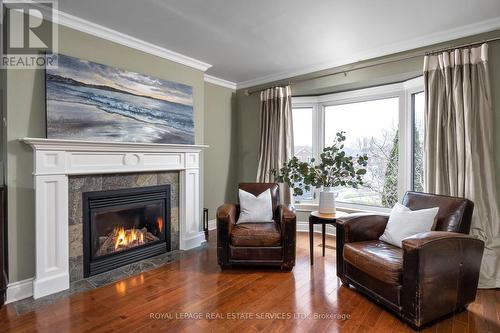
(328, 216)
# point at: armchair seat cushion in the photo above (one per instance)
(259, 234)
(378, 259)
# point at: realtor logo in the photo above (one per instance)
(29, 34)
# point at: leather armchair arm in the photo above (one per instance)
(362, 227)
(440, 271)
(227, 215)
(287, 213)
(357, 228)
(288, 224)
(423, 239)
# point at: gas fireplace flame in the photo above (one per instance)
(120, 239)
(128, 237)
(159, 222)
(133, 235)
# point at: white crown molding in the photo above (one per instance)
(19, 290)
(97, 30)
(349, 96)
(100, 31)
(220, 82)
(410, 44)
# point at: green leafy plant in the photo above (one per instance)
(334, 168)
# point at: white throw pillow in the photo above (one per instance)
(255, 208)
(405, 222)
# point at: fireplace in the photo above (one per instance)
(124, 226)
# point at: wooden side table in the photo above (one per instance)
(317, 218)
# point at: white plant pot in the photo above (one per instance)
(327, 201)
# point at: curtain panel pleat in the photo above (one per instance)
(459, 158)
(276, 134)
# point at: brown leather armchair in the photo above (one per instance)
(434, 274)
(267, 243)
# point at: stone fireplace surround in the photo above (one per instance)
(58, 168)
(77, 185)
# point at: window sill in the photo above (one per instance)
(302, 207)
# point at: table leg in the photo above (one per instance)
(323, 236)
(311, 236)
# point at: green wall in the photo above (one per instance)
(26, 118)
(3, 132)
(220, 158)
(248, 135)
(247, 107)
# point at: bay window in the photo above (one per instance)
(417, 107)
(385, 122)
(303, 140)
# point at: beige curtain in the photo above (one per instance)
(276, 134)
(459, 158)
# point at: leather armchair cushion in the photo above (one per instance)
(256, 234)
(261, 254)
(380, 260)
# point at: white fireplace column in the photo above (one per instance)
(55, 160)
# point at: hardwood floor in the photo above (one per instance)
(163, 300)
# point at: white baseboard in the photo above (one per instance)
(50, 285)
(212, 224)
(191, 243)
(19, 290)
(301, 227)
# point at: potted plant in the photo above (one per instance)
(335, 168)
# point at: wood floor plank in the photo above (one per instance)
(168, 298)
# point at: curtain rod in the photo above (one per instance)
(422, 54)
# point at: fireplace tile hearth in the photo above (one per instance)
(29, 304)
(138, 267)
(108, 277)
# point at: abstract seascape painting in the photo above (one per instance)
(91, 101)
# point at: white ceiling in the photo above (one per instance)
(255, 41)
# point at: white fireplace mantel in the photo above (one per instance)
(55, 160)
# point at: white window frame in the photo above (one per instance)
(403, 91)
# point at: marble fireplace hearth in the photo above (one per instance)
(77, 185)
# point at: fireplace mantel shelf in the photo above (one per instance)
(73, 157)
(55, 160)
(82, 145)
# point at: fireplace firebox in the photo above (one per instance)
(124, 226)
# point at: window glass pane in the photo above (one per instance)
(371, 128)
(418, 141)
(303, 140)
